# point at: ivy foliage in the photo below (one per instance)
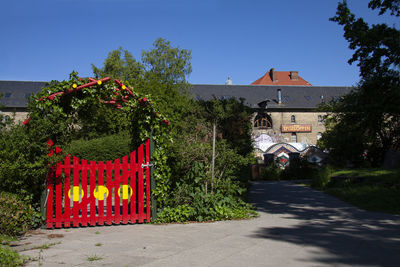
(64, 111)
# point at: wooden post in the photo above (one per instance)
(152, 180)
(213, 157)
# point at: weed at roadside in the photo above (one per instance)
(94, 257)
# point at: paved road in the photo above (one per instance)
(297, 226)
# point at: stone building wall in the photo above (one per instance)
(301, 118)
(20, 116)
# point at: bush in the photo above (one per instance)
(299, 169)
(16, 215)
(101, 149)
(23, 163)
(181, 213)
(208, 207)
(271, 172)
(9, 257)
(322, 177)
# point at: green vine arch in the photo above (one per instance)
(55, 114)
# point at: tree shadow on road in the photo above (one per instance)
(346, 234)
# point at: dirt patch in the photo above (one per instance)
(34, 232)
(55, 236)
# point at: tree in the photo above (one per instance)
(370, 114)
(377, 47)
(161, 74)
(168, 64)
(189, 155)
(125, 68)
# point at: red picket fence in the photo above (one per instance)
(82, 193)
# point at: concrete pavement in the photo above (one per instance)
(297, 226)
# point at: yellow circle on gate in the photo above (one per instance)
(99, 82)
(100, 192)
(76, 191)
(126, 191)
(123, 87)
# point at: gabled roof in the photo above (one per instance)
(273, 77)
(293, 97)
(16, 93)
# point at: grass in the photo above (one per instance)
(48, 245)
(8, 256)
(98, 244)
(44, 246)
(94, 258)
(5, 239)
(379, 190)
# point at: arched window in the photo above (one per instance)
(319, 119)
(293, 119)
(263, 121)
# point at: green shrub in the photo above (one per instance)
(218, 206)
(298, 169)
(321, 177)
(23, 164)
(16, 215)
(224, 204)
(101, 149)
(9, 257)
(271, 172)
(181, 213)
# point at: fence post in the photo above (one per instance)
(152, 180)
(43, 202)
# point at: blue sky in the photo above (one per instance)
(46, 40)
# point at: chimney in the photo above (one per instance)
(229, 81)
(294, 75)
(279, 96)
(272, 74)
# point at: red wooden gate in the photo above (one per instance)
(88, 193)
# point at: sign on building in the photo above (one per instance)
(296, 128)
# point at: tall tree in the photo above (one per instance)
(120, 64)
(161, 73)
(166, 63)
(165, 78)
(370, 114)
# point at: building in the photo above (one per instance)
(282, 113)
(284, 107)
(15, 96)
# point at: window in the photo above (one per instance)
(27, 95)
(7, 94)
(286, 98)
(294, 138)
(263, 121)
(308, 97)
(319, 119)
(293, 119)
(319, 135)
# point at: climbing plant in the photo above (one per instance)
(67, 109)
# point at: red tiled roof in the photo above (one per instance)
(281, 78)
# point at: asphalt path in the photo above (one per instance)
(297, 226)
